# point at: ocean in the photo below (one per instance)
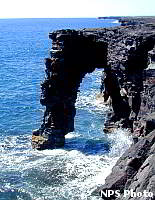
(69, 173)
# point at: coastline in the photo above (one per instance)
(134, 172)
(124, 53)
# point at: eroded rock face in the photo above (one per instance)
(72, 56)
(134, 170)
(121, 51)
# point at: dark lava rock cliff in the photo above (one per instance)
(135, 170)
(127, 55)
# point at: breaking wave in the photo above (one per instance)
(69, 173)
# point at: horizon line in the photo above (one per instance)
(76, 17)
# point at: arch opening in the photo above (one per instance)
(72, 57)
(76, 53)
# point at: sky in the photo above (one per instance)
(72, 8)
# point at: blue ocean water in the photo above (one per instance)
(60, 174)
(23, 46)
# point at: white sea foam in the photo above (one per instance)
(78, 173)
(115, 22)
(69, 173)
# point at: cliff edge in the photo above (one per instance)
(127, 55)
(133, 176)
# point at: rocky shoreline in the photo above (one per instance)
(135, 170)
(127, 55)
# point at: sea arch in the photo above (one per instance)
(72, 56)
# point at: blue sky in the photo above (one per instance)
(78, 8)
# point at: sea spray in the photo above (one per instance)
(68, 173)
(72, 172)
